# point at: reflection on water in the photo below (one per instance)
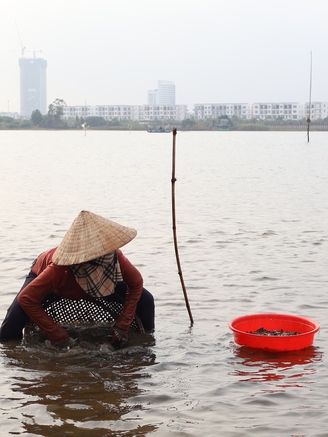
(71, 392)
(284, 369)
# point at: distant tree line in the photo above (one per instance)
(54, 120)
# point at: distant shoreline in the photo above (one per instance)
(255, 128)
(221, 124)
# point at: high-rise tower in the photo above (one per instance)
(33, 86)
(164, 95)
(166, 92)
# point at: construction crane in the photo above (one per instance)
(23, 48)
(20, 40)
(34, 51)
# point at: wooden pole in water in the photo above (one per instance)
(173, 180)
(309, 116)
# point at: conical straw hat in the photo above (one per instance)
(89, 237)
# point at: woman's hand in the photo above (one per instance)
(118, 337)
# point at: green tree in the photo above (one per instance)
(55, 113)
(36, 118)
(95, 121)
(188, 123)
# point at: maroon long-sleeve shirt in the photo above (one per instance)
(60, 280)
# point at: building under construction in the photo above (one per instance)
(33, 86)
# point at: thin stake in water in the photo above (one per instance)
(173, 180)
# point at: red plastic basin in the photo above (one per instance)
(242, 326)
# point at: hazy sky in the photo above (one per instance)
(113, 52)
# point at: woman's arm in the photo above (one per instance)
(31, 297)
(134, 282)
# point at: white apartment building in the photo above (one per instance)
(292, 111)
(263, 110)
(14, 115)
(128, 112)
(319, 110)
(270, 111)
(162, 112)
(215, 110)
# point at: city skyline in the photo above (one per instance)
(213, 52)
(34, 94)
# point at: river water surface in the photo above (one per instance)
(252, 215)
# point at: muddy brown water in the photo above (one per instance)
(252, 210)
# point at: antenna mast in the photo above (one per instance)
(309, 116)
